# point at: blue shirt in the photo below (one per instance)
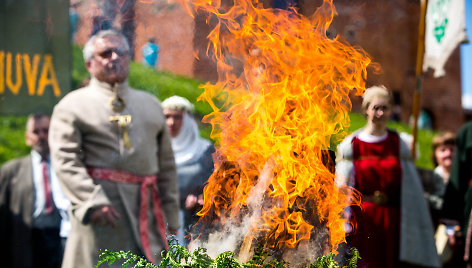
(150, 52)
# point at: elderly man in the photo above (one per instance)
(33, 208)
(112, 151)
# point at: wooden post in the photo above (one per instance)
(419, 75)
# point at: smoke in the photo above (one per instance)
(308, 250)
(227, 239)
(237, 234)
(232, 235)
(234, 231)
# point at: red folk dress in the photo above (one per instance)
(377, 173)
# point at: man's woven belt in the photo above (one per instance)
(146, 182)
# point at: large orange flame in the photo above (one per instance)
(280, 104)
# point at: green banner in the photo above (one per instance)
(35, 60)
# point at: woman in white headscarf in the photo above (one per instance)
(192, 155)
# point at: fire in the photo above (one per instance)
(280, 104)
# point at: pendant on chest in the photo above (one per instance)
(123, 122)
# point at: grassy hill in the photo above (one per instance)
(163, 85)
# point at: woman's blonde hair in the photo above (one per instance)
(375, 92)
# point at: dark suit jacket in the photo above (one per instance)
(458, 197)
(16, 210)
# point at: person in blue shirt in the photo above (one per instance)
(150, 51)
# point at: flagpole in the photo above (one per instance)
(419, 76)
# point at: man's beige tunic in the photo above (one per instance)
(81, 136)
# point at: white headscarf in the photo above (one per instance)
(188, 146)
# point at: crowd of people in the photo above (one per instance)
(113, 168)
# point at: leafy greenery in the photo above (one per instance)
(111, 257)
(328, 261)
(79, 73)
(12, 137)
(180, 257)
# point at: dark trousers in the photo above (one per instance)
(47, 248)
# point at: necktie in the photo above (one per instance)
(47, 188)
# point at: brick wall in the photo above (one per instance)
(169, 23)
(388, 31)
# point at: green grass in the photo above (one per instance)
(164, 85)
(12, 137)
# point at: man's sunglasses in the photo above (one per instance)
(109, 52)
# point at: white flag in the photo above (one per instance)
(445, 29)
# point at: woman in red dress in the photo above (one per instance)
(377, 164)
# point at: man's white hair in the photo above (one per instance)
(89, 47)
(177, 103)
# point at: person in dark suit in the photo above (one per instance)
(33, 209)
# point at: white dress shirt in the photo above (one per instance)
(60, 200)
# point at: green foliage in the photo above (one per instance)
(111, 257)
(79, 72)
(180, 257)
(328, 261)
(12, 137)
(261, 259)
(226, 259)
(164, 85)
(352, 262)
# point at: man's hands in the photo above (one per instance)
(103, 216)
